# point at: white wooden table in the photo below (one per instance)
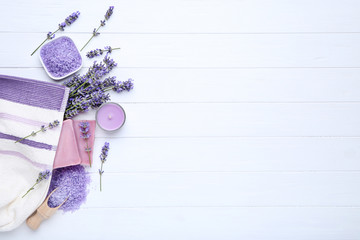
(244, 122)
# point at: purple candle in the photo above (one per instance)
(110, 116)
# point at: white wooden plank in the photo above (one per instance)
(242, 119)
(224, 189)
(177, 16)
(229, 154)
(203, 50)
(229, 85)
(199, 223)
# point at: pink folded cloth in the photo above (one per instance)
(71, 147)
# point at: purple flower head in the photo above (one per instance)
(72, 18)
(43, 176)
(110, 63)
(95, 33)
(109, 12)
(53, 124)
(56, 123)
(50, 35)
(98, 52)
(108, 48)
(128, 85)
(104, 152)
(122, 86)
(94, 53)
(62, 26)
(84, 130)
(109, 82)
(102, 22)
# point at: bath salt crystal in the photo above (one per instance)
(71, 182)
(60, 57)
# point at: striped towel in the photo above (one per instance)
(26, 105)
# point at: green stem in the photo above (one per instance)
(91, 38)
(87, 146)
(27, 136)
(101, 174)
(79, 87)
(44, 42)
(29, 190)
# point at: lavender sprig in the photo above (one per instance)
(68, 21)
(108, 14)
(42, 176)
(43, 128)
(84, 130)
(98, 52)
(103, 156)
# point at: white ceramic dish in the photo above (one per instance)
(67, 75)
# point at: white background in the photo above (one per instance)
(244, 122)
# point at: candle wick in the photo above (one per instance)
(110, 117)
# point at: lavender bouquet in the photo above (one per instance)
(108, 14)
(89, 91)
(68, 21)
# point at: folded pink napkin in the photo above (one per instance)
(71, 147)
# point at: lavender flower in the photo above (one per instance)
(95, 33)
(62, 26)
(84, 130)
(42, 129)
(50, 35)
(122, 86)
(71, 19)
(98, 52)
(109, 12)
(68, 21)
(103, 156)
(42, 176)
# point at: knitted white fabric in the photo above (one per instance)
(26, 105)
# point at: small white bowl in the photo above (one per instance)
(68, 74)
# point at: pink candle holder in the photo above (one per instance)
(110, 116)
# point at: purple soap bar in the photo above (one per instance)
(60, 58)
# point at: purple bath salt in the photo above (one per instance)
(71, 182)
(60, 57)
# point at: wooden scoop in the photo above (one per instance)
(42, 213)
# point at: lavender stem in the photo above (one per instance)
(29, 190)
(44, 42)
(91, 37)
(87, 146)
(78, 87)
(27, 136)
(101, 174)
